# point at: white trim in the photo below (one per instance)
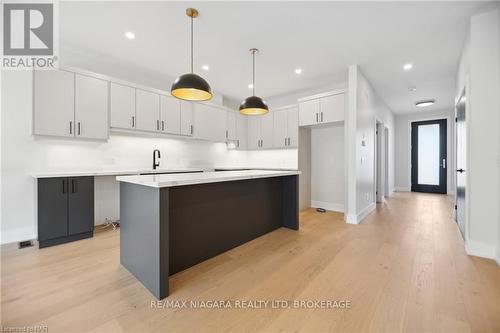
(365, 212)
(401, 189)
(333, 206)
(321, 95)
(351, 219)
(285, 107)
(481, 250)
(498, 256)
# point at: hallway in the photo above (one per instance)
(403, 269)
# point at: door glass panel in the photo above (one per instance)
(428, 154)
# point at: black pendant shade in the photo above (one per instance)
(191, 87)
(253, 106)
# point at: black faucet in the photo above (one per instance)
(155, 163)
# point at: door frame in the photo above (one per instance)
(379, 183)
(442, 187)
(449, 138)
(467, 147)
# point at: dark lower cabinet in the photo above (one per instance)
(65, 209)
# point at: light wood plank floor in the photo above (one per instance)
(403, 269)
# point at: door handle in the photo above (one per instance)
(79, 131)
(73, 186)
(64, 186)
(460, 170)
(70, 127)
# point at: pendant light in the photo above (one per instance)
(253, 105)
(190, 86)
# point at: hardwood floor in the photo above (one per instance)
(403, 269)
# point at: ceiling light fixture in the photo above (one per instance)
(408, 67)
(130, 35)
(253, 105)
(191, 87)
(425, 103)
(205, 67)
(298, 71)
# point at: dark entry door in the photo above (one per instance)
(461, 160)
(428, 156)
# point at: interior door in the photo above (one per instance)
(428, 156)
(461, 160)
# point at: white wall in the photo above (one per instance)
(403, 147)
(23, 154)
(479, 72)
(304, 167)
(327, 167)
(365, 108)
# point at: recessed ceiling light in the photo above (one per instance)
(407, 66)
(130, 35)
(205, 67)
(250, 86)
(425, 103)
(413, 88)
(298, 71)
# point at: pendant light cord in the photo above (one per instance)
(253, 73)
(192, 44)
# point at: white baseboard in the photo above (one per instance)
(498, 256)
(481, 250)
(351, 218)
(336, 207)
(402, 189)
(358, 218)
(365, 212)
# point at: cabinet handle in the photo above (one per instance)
(133, 121)
(157, 124)
(238, 143)
(226, 134)
(321, 116)
(79, 132)
(73, 186)
(288, 141)
(64, 186)
(317, 117)
(285, 141)
(162, 125)
(191, 126)
(70, 127)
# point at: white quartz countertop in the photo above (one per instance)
(109, 172)
(171, 180)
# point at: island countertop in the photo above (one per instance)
(171, 180)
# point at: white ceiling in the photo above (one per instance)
(322, 38)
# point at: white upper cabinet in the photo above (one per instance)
(241, 131)
(231, 125)
(266, 130)
(54, 102)
(147, 110)
(286, 128)
(187, 127)
(332, 108)
(293, 127)
(324, 109)
(309, 112)
(122, 106)
(280, 134)
(209, 122)
(91, 107)
(253, 132)
(170, 115)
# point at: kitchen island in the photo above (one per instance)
(174, 221)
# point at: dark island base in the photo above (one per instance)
(164, 231)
